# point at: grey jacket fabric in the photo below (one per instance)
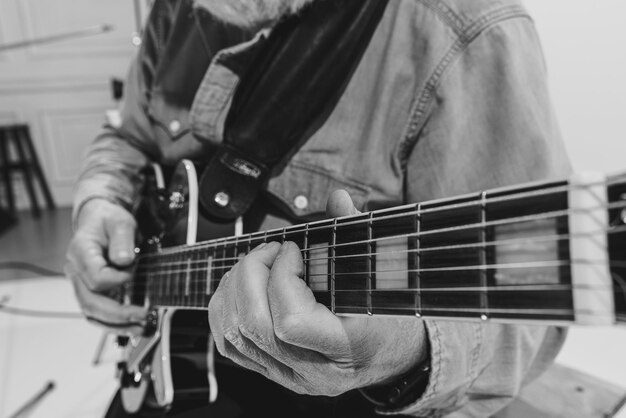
(451, 97)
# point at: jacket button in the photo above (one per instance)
(174, 126)
(301, 202)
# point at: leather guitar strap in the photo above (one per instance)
(289, 86)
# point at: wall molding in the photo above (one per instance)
(64, 155)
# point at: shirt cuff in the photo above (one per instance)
(454, 358)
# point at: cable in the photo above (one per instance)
(37, 313)
(41, 314)
(21, 265)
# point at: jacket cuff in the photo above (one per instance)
(454, 357)
(91, 189)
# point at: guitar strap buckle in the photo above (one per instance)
(230, 183)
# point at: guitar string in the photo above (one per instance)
(513, 241)
(514, 266)
(165, 281)
(311, 228)
(566, 315)
(284, 232)
(190, 265)
(506, 222)
(528, 264)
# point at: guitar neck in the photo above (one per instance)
(550, 252)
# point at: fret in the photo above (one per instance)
(197, 277)
(232, 256)
(220, 265)
(188, 276)
(352, 252)
(306, 256)
(518, 245)
(295, 234)
(456, 247)
(482, 255)
(370, 264)
(617, 246)
(319, 240)
(200, 276)
(414, 261)
(394, 239)
(332, 266)
(181, 300)
(174, 279)
(193, 267)
(208, 282)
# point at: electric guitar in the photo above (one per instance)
(549, 252)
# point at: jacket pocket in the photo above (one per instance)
(304, 189)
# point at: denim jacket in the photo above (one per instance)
(450, 97)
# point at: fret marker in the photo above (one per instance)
(418, 315)
(484, 317)
(391, 261)
(209, 269)
(188, 278)
(318, 267)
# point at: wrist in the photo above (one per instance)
(82, 208)
(402, 390)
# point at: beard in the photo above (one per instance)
(252, 13)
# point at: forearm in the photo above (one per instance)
(111, 171)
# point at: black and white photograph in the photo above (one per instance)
(312, 208)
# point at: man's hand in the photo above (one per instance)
(265, 318)
(100, 258)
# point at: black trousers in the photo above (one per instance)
(245, 394)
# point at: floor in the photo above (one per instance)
(40, 242)
(48, 350)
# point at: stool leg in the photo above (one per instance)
(38, 171)
(6, 172)
(26, 166)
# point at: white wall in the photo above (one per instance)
(61, 89)
(585, 48)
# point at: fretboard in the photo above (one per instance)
(550, 252)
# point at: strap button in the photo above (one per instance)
(301, 202)
(221, 199)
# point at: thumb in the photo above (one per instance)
(121, 233)
(340, 204)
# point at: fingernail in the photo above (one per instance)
(124, 256)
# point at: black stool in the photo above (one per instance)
(17, 137)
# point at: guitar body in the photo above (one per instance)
(169, 364)
(540, 253)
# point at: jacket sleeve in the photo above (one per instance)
(113, 162)
(490, 124)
